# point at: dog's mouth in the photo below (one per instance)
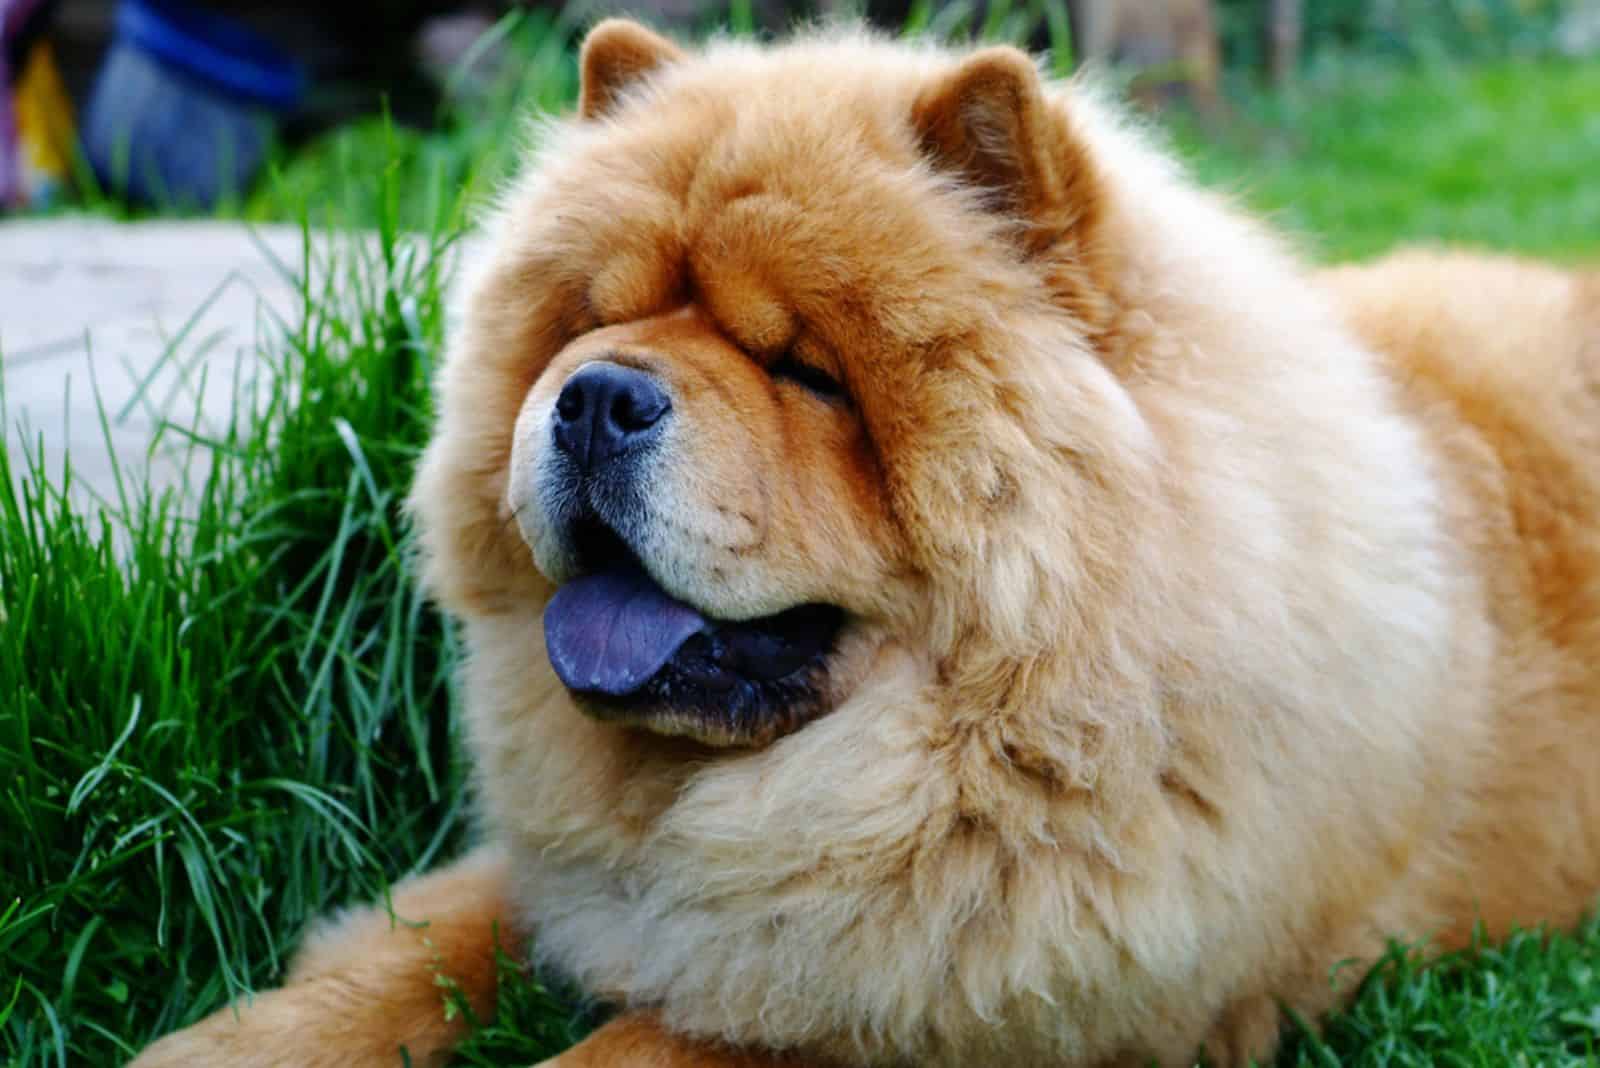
(635, 654)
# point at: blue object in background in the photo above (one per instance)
(184, 107)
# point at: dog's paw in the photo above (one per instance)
(206, 1044)
(638, 1040)
(253, 1037)
(308, 1025)
(1246, 1034)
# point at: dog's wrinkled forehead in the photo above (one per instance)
(740, 156)
(766, 239)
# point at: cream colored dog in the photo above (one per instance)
(943, 590)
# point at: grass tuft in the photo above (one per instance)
(1532, 1000)
(211, 703)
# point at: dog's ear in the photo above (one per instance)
(616, 53)
(989, 122)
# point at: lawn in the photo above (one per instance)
(222, 715)
(1360, 157)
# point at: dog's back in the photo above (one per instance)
(1500, 360)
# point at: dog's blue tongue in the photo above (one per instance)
(610, 632)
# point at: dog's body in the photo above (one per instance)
(1205, 621)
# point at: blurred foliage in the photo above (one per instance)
(1409, 30)
(1359, 156)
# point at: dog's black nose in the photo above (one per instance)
(606, 409)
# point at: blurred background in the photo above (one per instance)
(271, 108)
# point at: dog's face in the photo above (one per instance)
(711, 512)
(735, 381)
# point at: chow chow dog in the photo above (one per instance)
(941, 589)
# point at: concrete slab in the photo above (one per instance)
(149, 323)
(154, 324)
(131, 318)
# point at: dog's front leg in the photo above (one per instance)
(365, 984)
(638, 1040)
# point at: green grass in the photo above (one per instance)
(221, 715)
(209, 707)
(432, 175)
(1359, 157)
(1534, 1000)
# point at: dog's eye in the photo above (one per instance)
(817, 381)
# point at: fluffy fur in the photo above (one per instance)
(1212, 619)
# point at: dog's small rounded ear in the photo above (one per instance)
(989, 122)
(615, 54)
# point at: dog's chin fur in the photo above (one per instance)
(1200, 643)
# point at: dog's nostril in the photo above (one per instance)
(638, 409)
(606, 409)
(569, 405)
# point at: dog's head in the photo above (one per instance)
(752, 380)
